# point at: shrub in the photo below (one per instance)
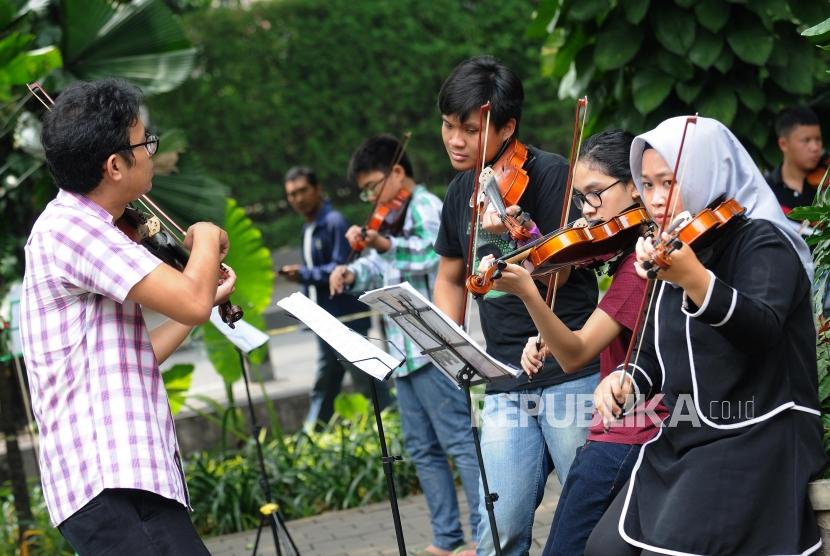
(304, 81)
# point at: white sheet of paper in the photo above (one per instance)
(244, 335)
(352, 346)
(431, 329)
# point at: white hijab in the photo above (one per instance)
(714, 163)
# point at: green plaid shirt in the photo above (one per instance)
(411, 258)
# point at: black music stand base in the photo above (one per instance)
(464, 378)
(270, 512)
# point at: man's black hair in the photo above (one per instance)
(789, 118)
(377, 153)
(89, 122)
(475, 81)
(608, 152)
(302, 172)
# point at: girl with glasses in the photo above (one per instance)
(603, 188)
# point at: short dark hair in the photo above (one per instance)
(298, 172)
(475, 81)
(89, 122)
(377, 153)
(789, 118)
(609, 152)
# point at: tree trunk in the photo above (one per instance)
(9, 408)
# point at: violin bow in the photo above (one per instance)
(647, 300)
(475, 205)
(580, 117)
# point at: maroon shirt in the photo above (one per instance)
(621, 302)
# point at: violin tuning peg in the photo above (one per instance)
(677, 244)
(652, 274)
(648, 265)
(497, 274)
(501, 264)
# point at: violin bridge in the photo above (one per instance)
(149, 228)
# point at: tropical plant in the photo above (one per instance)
(819, 216)
(642, 61)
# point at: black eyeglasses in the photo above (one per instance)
(371, 189)
(593, 198)
(151, 143)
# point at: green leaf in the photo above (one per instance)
(674, 28)
(542, 17)
(649, 89)
(351, 407)
(818, 34)
(774, 10)
(751, 96)
(724, 63)
(32, 65)
(617, 44)
(583, 10)
(11, 47)
(810, 12)
(685, 3)
(750, 41)
(190, 195)
(173, 141)
(559, 52)
(177, 382)
(7, 13)
(140, 41)
(796, 75)
(635, 10)
(675, 66)
(706, 49)
(721, 105)
(712, 14)
(687, 92)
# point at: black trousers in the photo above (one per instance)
(134, 522)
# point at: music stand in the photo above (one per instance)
(246, 338)
(453, 351)
(375, 362)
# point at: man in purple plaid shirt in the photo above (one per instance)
(110, 464)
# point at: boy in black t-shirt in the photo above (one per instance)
(526, 425)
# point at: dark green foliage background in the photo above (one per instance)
(304, 81)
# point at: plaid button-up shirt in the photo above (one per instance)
(97, 392)
(411, 258)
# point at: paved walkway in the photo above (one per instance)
(369, 531)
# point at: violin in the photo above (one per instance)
(815, 178)
(697, 232)
(573, 246)
(384, 217)
(511, 179)
(146, 229)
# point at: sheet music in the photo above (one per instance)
(352, 346)
(433, 331)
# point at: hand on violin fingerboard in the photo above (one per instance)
(200, 229)
(685, 269)
(371, 238)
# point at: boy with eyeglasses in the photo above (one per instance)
(110, 464)
(434, 413)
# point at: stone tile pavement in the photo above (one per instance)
(369, 531)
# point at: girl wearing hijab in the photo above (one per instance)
(730, 343)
